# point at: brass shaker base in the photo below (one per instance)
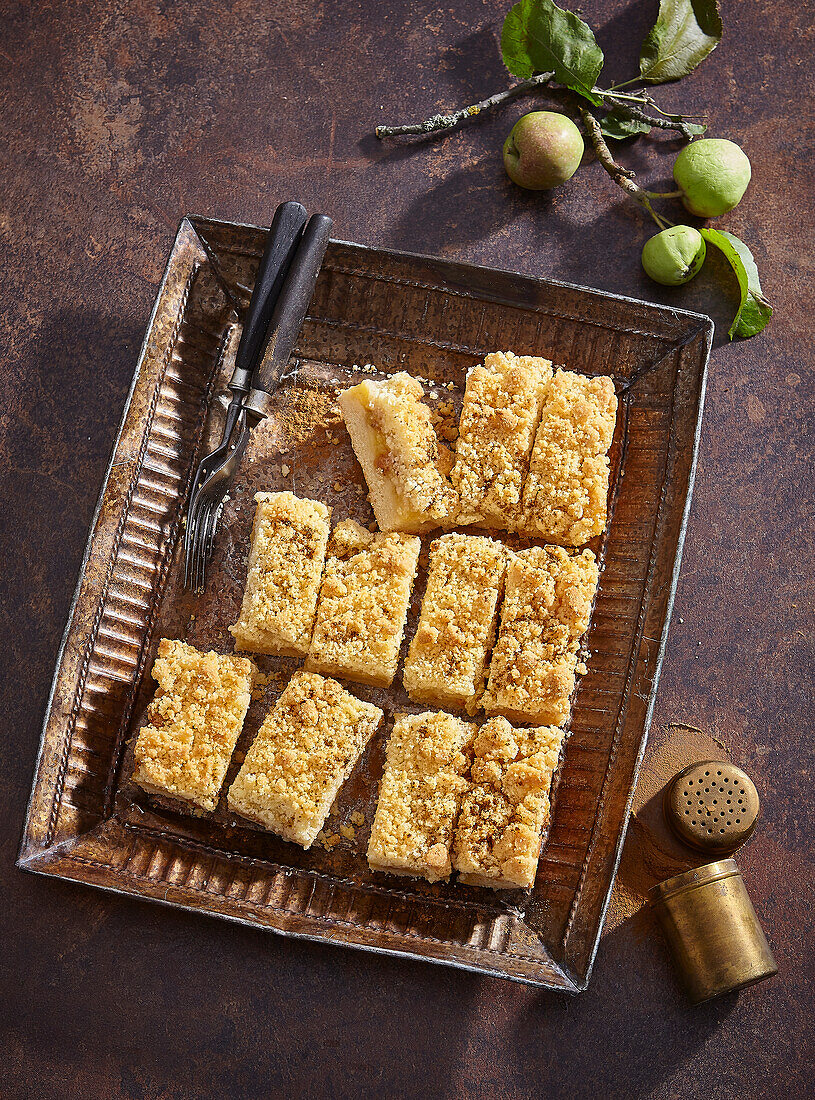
(712, 929)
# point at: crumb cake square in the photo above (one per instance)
(566, 492)
(505, 809)
(547, 604)
(396, 444)
(303, 753)
(448, 654)
(363, 604)
(286, 556)
(501, 410)
(420, 795)
(192, 724)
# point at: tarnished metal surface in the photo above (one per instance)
(435, 319)
(116, 118)
(716, 939)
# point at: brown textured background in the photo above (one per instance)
(116, 119)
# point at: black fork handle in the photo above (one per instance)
(289, 312)
(281, 246)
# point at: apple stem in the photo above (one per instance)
(664, 194)
(623, 177)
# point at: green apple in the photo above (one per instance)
(543, 150)
(713, 175)
(674, 256)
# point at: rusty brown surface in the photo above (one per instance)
(117, 119)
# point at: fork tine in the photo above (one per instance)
(199, 574)
(208, 538)
(190, 538)
(194, 544)
(212, 527)
(197, 580)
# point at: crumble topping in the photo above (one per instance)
(303, 753)
(506, 807)
(566, 493)
(363, 604)
(193, 723)
(502, 405)
(447, 656)
(286, 555)
(420, 794)
(546, 609)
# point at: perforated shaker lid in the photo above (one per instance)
(712, 806)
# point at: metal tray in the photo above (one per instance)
(434, 318)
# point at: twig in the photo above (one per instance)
(670, 122)
(621, 176)
(437, 123)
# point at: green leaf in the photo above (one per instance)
(619, 125)
(686, 31)
(540, 37)
(755, 311)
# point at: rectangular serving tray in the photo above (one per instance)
(87, 823)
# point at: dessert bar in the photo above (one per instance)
(363, 604)
(506, 806)
(286, 556)
(501, 410)
(403, 462)
(303, 753)
(448, 654)
(566, 492)
(420, 795)
(192, 724)
(547, 603)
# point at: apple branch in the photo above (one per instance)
(436, 123)
(628, 103)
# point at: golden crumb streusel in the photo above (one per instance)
(420, 794)
(506, 806)
(501, 410)
(566, 492)
(193, 723)
(286, 556)
(448, 654)
(303, 753)
(363, 604)
(393, 436)
(547, 604)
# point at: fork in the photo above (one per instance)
(253, 388)
(281, 244)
